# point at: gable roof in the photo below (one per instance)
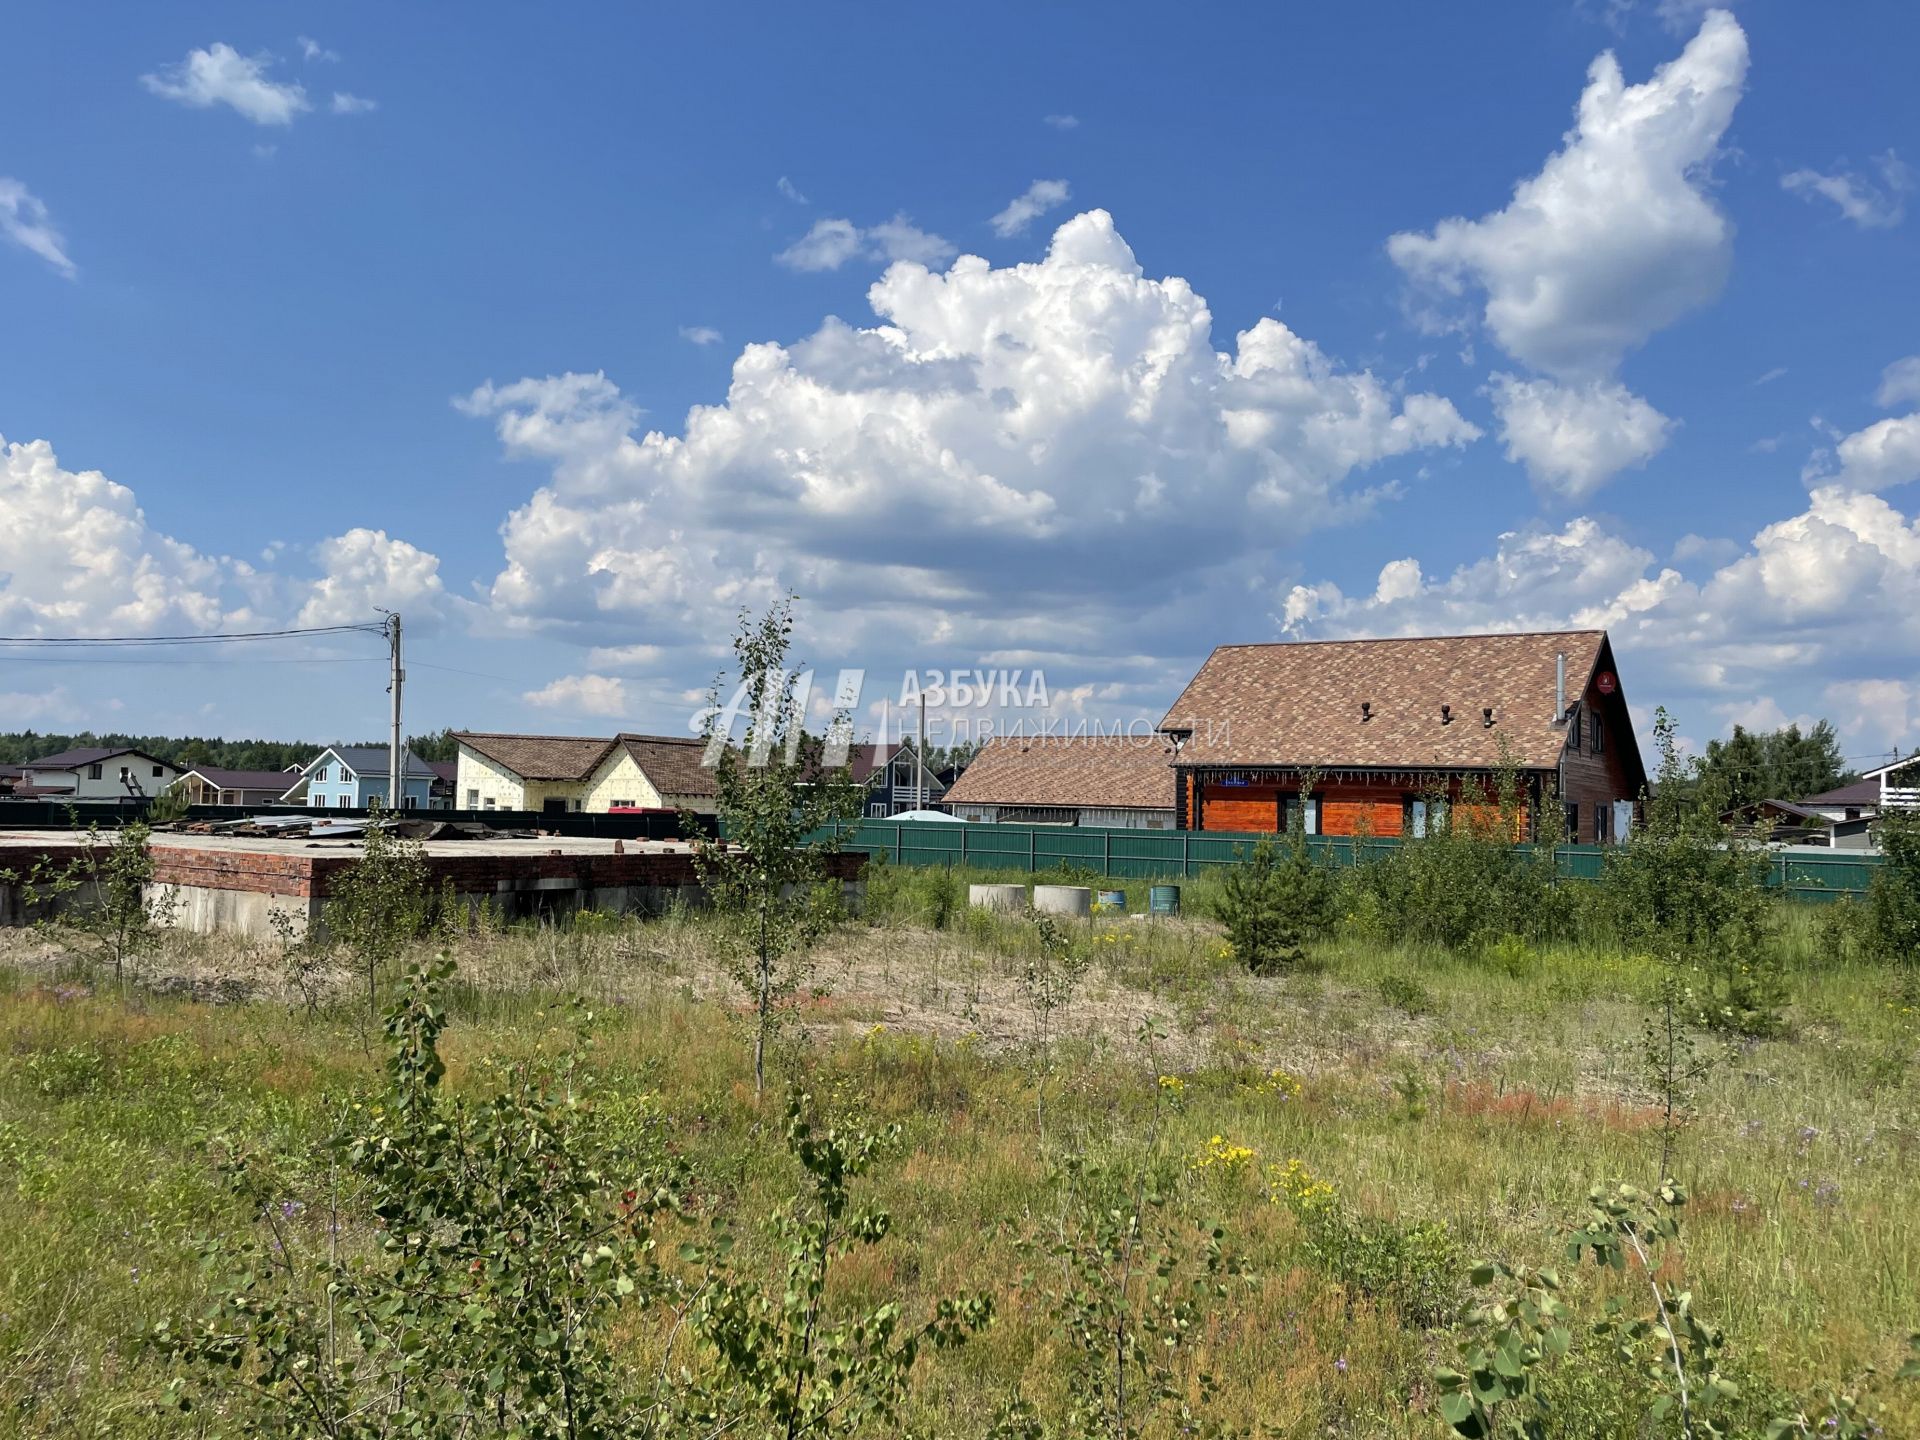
(274, 780)
(671, 763)
(539, 757)
(92, 755)
(1298, 703)
(1860, 792)
(370, 761)
(1108, 772)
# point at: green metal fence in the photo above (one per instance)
(1146, 854)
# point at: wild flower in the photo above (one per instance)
(1223, 1157)
(1277, 1082)
(1297, 1188)
(1173, 1085)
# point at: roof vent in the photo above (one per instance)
(1486, 716)
(1366, 710)
(1446, 714)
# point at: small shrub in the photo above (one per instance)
(513, 1234)
(1893, 902)
(381, 904)
(1414, 1267)
(1272, 903)
(784, 1363)
(1406, 994)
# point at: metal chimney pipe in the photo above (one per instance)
(1559, 687)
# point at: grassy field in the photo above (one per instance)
(1486, 1092)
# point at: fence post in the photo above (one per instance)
(1186, 852)
(1106, 853)
(1031, 867)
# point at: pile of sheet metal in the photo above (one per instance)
(327, 827)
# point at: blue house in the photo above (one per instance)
(350, 776)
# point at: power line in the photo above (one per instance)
(123, 660)
(35, 641)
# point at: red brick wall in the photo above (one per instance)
(315, 876)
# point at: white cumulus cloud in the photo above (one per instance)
(77, 557)
(365, 571)
(1617, 236)
(700, 335)
(221, 75)
(1051, 445)
(1038, 198)
(1574, 438)
(24, 221)
(346, 104)
(581, 695)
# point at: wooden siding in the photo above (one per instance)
(1349, 812)
(1589, 780)
(1250, 809)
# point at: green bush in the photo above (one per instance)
(1894, 901)
(1274, 902)
(1687, 888)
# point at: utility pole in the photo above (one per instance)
(920, 760)
(396, 763)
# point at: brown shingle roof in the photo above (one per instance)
(1299, 704)
(1109, 772)
(539, 757)
(672, 764)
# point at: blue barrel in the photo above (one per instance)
(1164, 900)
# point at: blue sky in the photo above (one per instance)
(314, 309)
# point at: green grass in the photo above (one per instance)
(1803, 1238)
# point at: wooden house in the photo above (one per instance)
(1386, 730)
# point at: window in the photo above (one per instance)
(621, 805)
(158, 771)
(342, 801)
(1599, 735)
(1602, 816)
(473, 799)
(412, 802)
(902, 775)
(489, 804)
(94, 772)
(576, 803)
(1309, 813)
(1573, 821)
(1573, 729)
(878, 808)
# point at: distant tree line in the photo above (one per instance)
(1786, 764)
(17, 747)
